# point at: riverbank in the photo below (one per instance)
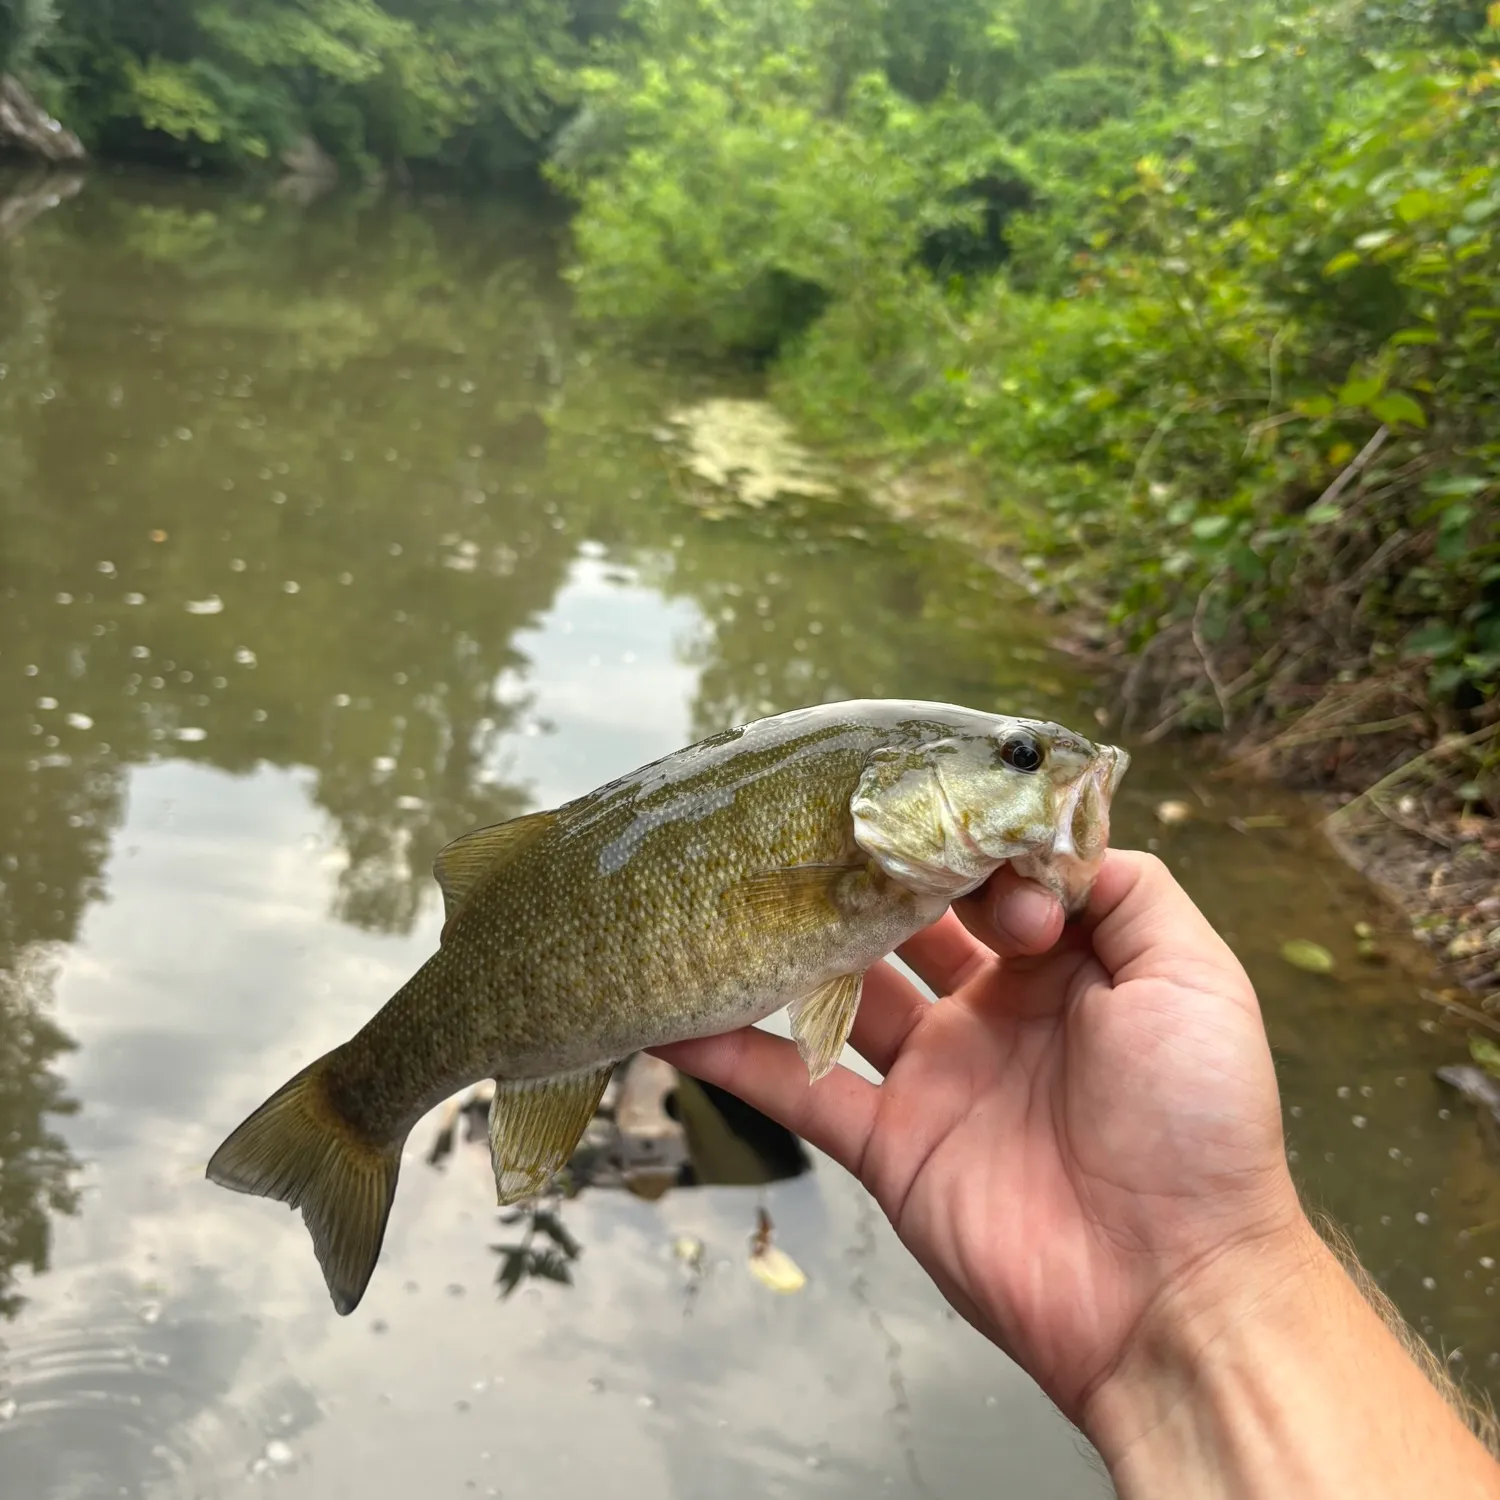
(1189, 325)
(1397, 786)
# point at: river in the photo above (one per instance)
(324, 537)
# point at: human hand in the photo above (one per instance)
(1082, 1131)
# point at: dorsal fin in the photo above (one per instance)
(461, 865)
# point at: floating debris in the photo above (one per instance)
(769, 1264)
(1487, 1054)
(1257, 820)
(746, 452)
(1173, 812)
(213, 605)
(1311, 957)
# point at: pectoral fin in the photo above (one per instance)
(535, 1126)
(821, 1022)
(792, 902)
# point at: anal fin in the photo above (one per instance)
(821, 1022)
(535, 1126)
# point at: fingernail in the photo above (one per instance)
(1025, 915)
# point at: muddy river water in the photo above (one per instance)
(323, 538)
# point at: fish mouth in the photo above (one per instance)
(1102, 776)
(1119, 763)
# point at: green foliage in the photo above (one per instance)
(379, 83)
(1210, 292)
(745, 167)
(196, 102)
(1237, 352)
(23, 26)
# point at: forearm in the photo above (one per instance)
(1269, 1375)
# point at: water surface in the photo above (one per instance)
(324, 538)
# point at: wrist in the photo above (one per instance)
(1264, 1372)
(1196, 1335)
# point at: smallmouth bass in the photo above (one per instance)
(767, 866)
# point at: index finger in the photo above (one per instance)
(836, 1114)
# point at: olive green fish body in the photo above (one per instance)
(640, 947)
(767, 866)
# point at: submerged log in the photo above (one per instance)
(27, 128)
(32, 194)
(310, 172)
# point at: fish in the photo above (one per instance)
(767, 866)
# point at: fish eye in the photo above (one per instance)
(1021, 753)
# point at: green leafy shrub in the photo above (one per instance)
(1238, 374)
(380, 83)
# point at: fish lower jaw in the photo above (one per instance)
(936, 885)
(1069, 878)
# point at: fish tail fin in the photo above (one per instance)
(298, 1148)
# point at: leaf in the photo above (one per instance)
(1208, 528)
(1456, 485)
(1248, 564)
(1324, 512)
(550, 1266)
(1417, 204)
(1396, 407)
(1452, 544)
(1342, 262)
(512, 1267)
(774, 1268)
(1441, 681)
(1361, 390)
(1414, 336)
(556, 1231)
(1431, 640)
(1375, 239)
(1485, 1052)
(1308, 956)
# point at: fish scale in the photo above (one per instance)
(768, 866)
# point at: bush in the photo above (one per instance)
(1233, 376)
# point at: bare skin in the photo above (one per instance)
(1081, 1143)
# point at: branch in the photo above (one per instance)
(1355, 467)
(1220, 692)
